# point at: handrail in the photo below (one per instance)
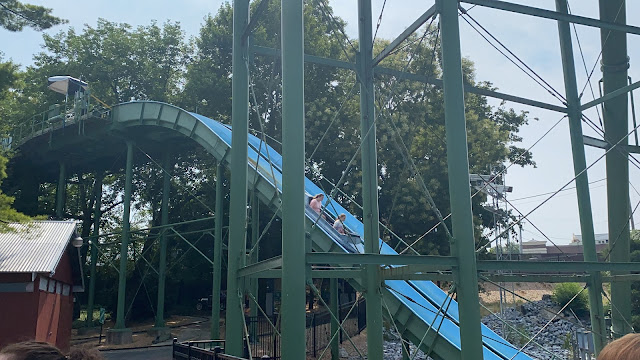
(57, 116)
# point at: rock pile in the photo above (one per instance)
(526, 321)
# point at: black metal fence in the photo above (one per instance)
(264, 341)
(202, 350)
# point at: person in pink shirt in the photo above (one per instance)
(316, 203)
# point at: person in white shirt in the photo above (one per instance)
(338, 224)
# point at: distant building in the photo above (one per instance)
(601, 239)
(534, 247)
(574, 251)
(39, 271)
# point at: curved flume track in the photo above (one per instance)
(412, 305)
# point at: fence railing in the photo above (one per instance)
(203, 350)
(57, 116)
(265, 341)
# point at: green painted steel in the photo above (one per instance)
(217, 252)
(181, 123)
(97, 214)
(61, 190)
(614, 65)
(293, 161)
(252, 258)
(335, 327)
(582, 179)
(370, 212)
(608, 23)
(164, 220)
(415, 77)
(462, 241)
(405, 34)
(122, 276)
(238, 207)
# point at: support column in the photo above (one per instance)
(293, 153)
(252, 259)
(370, 210)
(217, 253)
(61, 192)
(97, 214)
(160, 330)
(335, 327)
(462, 241)
(616, 119)
(582, 180)
(238, 209)
(120, 334)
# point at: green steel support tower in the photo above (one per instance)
(299, 235)
(119, 333)
(238, 208)
(370, 213)
(293, 161)
(164, 220)
(97, 213)
(582, 180)
(615, 63)
(217, 252)
(463, 240)
(61, 191)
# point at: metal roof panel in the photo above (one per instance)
(36, 247)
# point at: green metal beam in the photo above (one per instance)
(293, 161)
(528, 10)
(97, 214)
(443, 262)
(335, 327)
(124, 247)
(254, 256)
(61, 191)
(238, 207)
(405, 34)
(260, 266)
(623, 278)
(611, 95)
(164, 220)
(615, 63)
(370, 211)
(217, 253)
(192, 245)
(469, 88)
(415, 77)
(462, 241)
(582, 180)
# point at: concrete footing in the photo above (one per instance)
(119, 336)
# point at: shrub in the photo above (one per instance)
(563, 293)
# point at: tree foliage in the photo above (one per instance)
(15, 16)
(155, 62)
(572, 294)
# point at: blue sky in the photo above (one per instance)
(534, 40)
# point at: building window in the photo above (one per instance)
(58, 287)
(66, 289)
(52, 286)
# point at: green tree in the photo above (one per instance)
(573, 295)
(119, 62)
(15, 16)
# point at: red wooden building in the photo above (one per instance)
(39, 272)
